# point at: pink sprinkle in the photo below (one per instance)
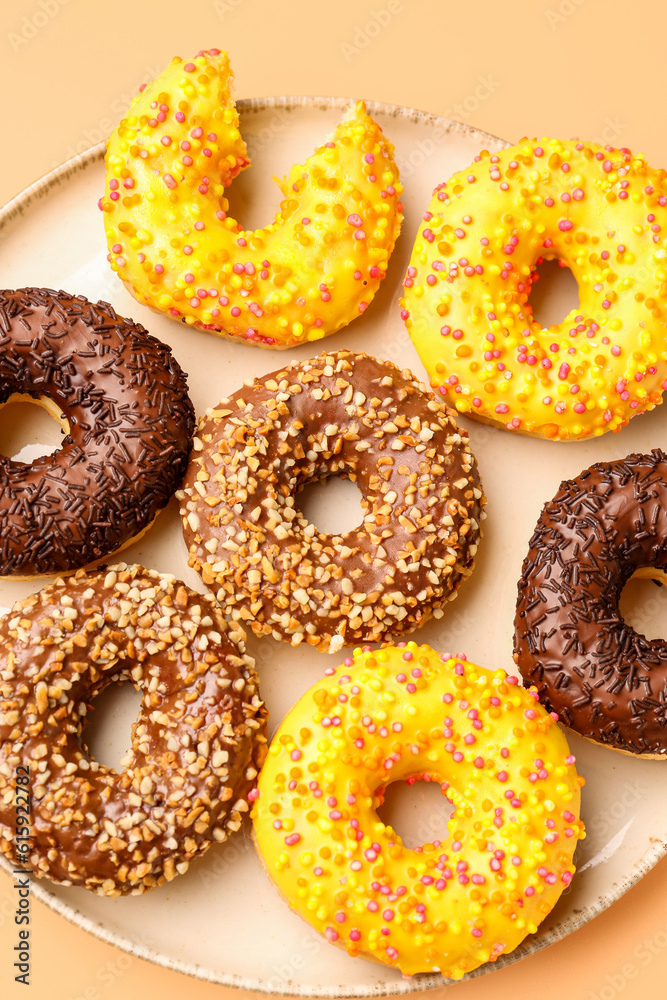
(565, 225)
(295, 755)
(293, 839)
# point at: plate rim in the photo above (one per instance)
(531, 945)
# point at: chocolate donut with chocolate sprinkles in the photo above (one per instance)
(342, 414)
(197, 744)
(124, 401)
(604, 679)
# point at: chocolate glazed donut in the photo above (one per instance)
(130, 420)
(604, 680)
(342, 414)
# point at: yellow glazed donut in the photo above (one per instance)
(602, 213)
(308, 273)
(403, 713)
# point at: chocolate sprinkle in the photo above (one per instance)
(130, 425)
(603, 678)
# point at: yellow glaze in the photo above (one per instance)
(602, 213)
(311, 271)
(398, 714)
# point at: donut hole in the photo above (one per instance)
(643, 604)
(418, 812)
(554, 293)
(30, 428)
(107, 731)
(332, 504)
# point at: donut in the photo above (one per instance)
(123, 399)
(312, 270)
(197, 744)
(404, 713)
(341, 414)
(604, 679)
(599, 211)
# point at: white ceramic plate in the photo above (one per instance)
(223, 921)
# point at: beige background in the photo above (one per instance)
(592, 68)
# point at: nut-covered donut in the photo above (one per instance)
(125, 400)
(605, 680)
(197, 744)
(405, 713)
(312, 269)
(602, 212)
(340, 414)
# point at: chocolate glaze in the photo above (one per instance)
(197, 745)
(342, 414)
(130, 418)
(605, 680)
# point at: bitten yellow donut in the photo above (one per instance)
(600, 211)
(403, 713)
(311, 271)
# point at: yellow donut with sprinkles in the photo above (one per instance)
(600, 211)
(403, 713)
(309, 272)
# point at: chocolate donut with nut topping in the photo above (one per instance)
(342, 414)
(604, 679)
(124, 401)
(197, 744)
